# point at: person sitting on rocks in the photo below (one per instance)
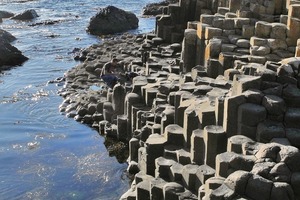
(109, 73)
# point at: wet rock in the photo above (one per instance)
(10, 55)
(6, 14)
(6, 36)
(26, 15)
(111, 20)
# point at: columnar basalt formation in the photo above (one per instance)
(215, 118)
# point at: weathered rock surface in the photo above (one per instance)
(153, 9)
(111, 20)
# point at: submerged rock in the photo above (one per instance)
(111, 20)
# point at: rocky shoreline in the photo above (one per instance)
(216, 116)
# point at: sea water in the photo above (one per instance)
(43, 154)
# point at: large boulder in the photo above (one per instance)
(6, 36)
(111, 20)
(10, 55)
(26, 15)
(6, 14)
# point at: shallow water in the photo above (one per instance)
(43, 154)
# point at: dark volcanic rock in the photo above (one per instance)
(47, 22)
(111, 20)
(10, 55)
(152, 9)
(6, 36)
(26, 15)
(6, 14)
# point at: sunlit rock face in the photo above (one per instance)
(112, 20)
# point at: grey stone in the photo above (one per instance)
(229, 73)
(291, 95)
(250, 148)
(263, 29)
(277, 44)
(197, 147)
(260, 185)
(174, 134)
(188, 53)
(263, 169)
(222, 192)
(295, 183)
(6, 14)
(281, 173)
(176, 172)
(268, 130)
(189, 176)
(234, 143)
(213, 183)
(246, 130)
(204, 172)
(293, 135)
(168, 117)
(290, 156)
(26, 15)
(242, 162)
(282, 191)
(237, 181)
(133, 167)
(242, 83)
(270, 150)
(188, 195)
(214, 137)
(292, 118)
(190, 123)
(162, 167)
(155, 148)
(223, 163)
(118, 99)
(231, 105)
(143, 190)
(251, 114)
(183, 156)
(172, 190)
(10, 55)
(260, 50)
(111, 20)
(206, 114)
(243, 43)
(129, 195)
(157, 185)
